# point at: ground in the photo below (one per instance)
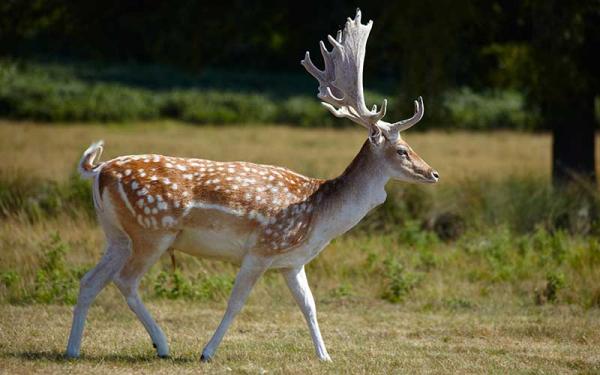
(362, 336)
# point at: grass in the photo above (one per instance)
(267, 337)
(513, 288)
(51, 151)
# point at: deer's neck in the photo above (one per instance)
(349, 197)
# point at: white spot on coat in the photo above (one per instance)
(167, 221)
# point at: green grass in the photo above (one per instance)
(483, 273)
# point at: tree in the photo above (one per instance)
(565, 44)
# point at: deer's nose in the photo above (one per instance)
(435, 175)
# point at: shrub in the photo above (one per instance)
(92, 92)
(54, 281)
(304, 111)
(397, 281)
(36, 93)
(342, 291)
(554, 282)
(176, 285)
(220, 107)
(494, 109)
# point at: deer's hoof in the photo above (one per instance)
(71, 355)
(205, 358)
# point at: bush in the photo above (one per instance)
(176, 285)
(34, 93)
(304, 111)
(554, 282)
(398, 282)
(87, 92)
(219, 107)
(54, 281)
(494, 109)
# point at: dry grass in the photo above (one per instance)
(52, 150)
(363, 338)
(499, 330)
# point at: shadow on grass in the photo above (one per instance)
(54, 356)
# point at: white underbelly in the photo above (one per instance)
(219, 243)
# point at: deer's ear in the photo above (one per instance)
(376, 136)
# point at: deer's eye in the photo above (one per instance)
(402, 152)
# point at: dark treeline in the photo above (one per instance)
(426, 46)
(545, 49)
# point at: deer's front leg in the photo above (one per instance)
(252, 268)
(298, 284)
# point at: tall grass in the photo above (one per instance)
(36, 199)
(522, 204)
(465, 243)
(518, 234)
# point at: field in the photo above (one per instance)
(515, 288)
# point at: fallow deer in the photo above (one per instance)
(259, 216)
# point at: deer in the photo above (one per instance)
(260, 217)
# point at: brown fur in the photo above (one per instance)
(165, 193)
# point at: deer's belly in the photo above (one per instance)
(222, 244)
(303, 254)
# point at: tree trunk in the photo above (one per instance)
(573, 143)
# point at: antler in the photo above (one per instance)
(341, 82)
(397, 127)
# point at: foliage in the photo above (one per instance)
(398, 282)
(488, 110)
(35, 199)
(55, 282)
(75, 92)
(175, 285)
(401, 262)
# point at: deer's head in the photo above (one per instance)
(341, 92)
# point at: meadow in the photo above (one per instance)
(489, 271)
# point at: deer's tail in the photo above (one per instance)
(87, 167)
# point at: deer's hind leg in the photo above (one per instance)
(115, 256)
(146, 250)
